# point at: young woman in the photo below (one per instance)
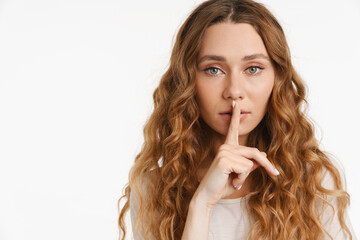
(228, 151)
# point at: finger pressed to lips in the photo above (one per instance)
(232, 138)
(233, 132)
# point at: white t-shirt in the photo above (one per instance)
(231, 221)
(227, 224)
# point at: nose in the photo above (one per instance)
(235, 87)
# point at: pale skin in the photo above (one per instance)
(234, 73)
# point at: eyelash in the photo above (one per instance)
(254, 66)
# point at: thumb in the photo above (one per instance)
(240, 179)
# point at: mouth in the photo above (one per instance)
(230, 112)
(228, 115)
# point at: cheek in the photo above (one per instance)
(205, 94)
(262, 93)
(267, 90)
(201, 98)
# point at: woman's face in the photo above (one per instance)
(233, 64)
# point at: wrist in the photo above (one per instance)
(198, 201)
(198, 213)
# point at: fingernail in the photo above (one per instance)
(276, 171)
(233, 103)
(238, 187)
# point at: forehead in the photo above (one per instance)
(232, 39)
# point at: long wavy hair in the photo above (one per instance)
(176, 141)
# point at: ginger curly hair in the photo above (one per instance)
(176, 141)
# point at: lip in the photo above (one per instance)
(230, 111)
(227, 117)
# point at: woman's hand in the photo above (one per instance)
(231, 158)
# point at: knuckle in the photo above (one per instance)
(221, 155)
(242, 147)
(222, 163)
(260, 154)
(223, 147)
(257, 151)
(249, 165)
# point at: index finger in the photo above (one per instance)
(233, 132)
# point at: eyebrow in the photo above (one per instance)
(245, 58)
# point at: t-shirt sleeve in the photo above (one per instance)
(330, 223)
(134, 211)
(134, 207)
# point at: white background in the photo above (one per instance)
(76, 84)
